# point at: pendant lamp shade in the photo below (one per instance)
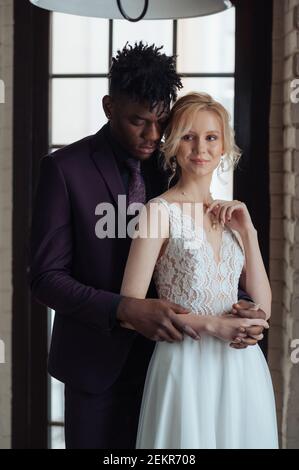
(157, 9)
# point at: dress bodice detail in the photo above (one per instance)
(187, 272)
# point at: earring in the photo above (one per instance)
(174, 165)
(222, 164)
(220, 170)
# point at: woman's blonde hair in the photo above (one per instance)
(180, 123)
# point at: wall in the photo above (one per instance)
(284, 243)
(6, 75)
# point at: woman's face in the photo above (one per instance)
(200, 150)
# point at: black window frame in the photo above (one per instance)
(30, 143)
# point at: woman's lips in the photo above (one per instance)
(199, 161)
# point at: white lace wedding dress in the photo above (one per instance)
(204, 394)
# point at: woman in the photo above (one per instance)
(202, 394)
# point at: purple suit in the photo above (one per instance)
(78, 274)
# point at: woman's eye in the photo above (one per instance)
(188, 137)
(212, 137)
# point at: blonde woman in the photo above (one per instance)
(202, 394)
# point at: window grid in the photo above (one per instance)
(195, 75)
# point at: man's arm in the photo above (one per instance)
(242, 295)
(50, 271)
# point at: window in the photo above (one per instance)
(206, 58)
(81, 49)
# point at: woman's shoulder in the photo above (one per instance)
(163, 199)
(168, 197)
(158, 203)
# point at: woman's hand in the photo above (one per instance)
(226, 327)
(233, 213)
(231, 329)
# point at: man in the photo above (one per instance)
(78, 273)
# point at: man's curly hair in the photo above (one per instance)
(145, 75)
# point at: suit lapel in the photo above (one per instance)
(104, 160)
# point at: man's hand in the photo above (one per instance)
(246, 309)
(158, 320)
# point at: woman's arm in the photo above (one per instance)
(143, 255)
(152, 233)
(157, 319)
(254, 279)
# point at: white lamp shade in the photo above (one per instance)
(158, 9)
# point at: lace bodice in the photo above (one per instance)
(187, 273)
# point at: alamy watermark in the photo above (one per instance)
(2, 352)
(2, 344)
(151, 221)
(294, 96)
(2, 91)
(295, 353)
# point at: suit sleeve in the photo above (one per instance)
(51, 243)
(242, 295)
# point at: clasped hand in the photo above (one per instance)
(160, 320)
(253, 334)
(242, 327)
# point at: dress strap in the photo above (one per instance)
(161, 200)
(235, 237)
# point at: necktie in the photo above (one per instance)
(136, 183)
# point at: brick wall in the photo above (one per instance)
(6, 75)
(284, 243)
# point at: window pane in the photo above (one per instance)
(77, 108)
(222, 89)
(57, 437)
(222, 185)
(80, 44)
(159, 32)
(207, 44)
(57, 401)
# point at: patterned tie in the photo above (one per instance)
(136, 184)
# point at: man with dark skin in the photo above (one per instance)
(78, 274)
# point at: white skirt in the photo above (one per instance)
(206, 395)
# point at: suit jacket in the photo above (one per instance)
(78, 274)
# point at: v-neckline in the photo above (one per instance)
(209, 244)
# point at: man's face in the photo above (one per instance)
(137, 128)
